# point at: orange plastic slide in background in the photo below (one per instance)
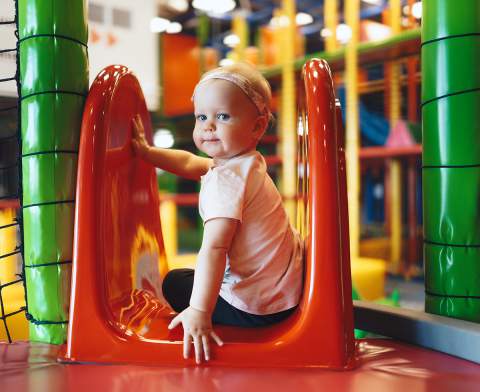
(116, 311)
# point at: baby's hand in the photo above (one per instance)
(197, 326)
(139, 141)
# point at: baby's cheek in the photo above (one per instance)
(196, 139)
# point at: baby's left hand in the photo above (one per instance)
(139, 141)
(197, 326)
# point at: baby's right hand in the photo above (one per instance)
(139, 141)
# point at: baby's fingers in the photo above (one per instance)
(135, 125)
(138, 126)
(216, 338)
(176, 321)
(186, 345)
(206, 347)
(197, 343)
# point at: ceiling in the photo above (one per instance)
(258, 13)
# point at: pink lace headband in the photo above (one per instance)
(241, 82)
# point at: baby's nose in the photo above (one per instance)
(209, 126)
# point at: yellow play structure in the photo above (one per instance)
(13, 295)
(368, 274)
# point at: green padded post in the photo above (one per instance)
(451, 156)
(53, 86)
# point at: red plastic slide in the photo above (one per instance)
(116, 311)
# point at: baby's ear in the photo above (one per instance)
(260, 126)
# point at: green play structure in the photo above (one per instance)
(53, 86)
(451, 156)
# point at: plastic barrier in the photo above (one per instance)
(116, 310)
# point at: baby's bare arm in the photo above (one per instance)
(197, 318)
(179, 162)
(217, 238)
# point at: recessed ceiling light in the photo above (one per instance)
(302, 18)
(344, 33)
(214, 6)
(159, 25)
(231, 40)
(373, 2)
(326, 32)
(163, 138)
(224, 62)
(178, 5)
(174, 28)
(417, 10)
(280, 21)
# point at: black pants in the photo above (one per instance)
(177, 289)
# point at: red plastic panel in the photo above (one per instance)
(116, 312)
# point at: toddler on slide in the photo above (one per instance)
(250, 265)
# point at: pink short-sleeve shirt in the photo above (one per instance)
(265, 262)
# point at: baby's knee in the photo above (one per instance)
(170, 282)
(177, 288)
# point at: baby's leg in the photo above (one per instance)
(177, 288)
(226, 314)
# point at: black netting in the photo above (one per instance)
(10, 178)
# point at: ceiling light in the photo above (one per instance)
(303, 19)
(225, 62)
(159, 25)
(373, 2)
(163, 138)
(344, 33)
(214, 6)
(325, 33)
(178, 5)
(279, 21)
(417, 10)
(174, 28)
(231, 40)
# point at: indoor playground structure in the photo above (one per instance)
(86, 237)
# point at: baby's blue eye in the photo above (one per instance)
(223, 116)
(201, 117)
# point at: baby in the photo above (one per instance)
(249, 267)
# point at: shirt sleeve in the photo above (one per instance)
(222, 195)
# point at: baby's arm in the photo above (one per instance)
(197, 318)
(179, 162)
(217, 237)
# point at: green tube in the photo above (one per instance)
(457, 75)
(441, 124)
(451, 157)
(54, 84)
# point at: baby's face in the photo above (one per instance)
(225, 120)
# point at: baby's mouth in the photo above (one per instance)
(210, 140)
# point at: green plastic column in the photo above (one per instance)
(54, 83)
(451, 156)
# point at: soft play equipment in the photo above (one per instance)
(392, 300)
(374, 126)
(451, 168)
(12, 299)
(368, 274)
(53, 83)
(116, 310)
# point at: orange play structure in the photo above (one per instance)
(117, 312)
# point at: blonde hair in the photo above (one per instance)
(255, 79)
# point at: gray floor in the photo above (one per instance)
(412, 292)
